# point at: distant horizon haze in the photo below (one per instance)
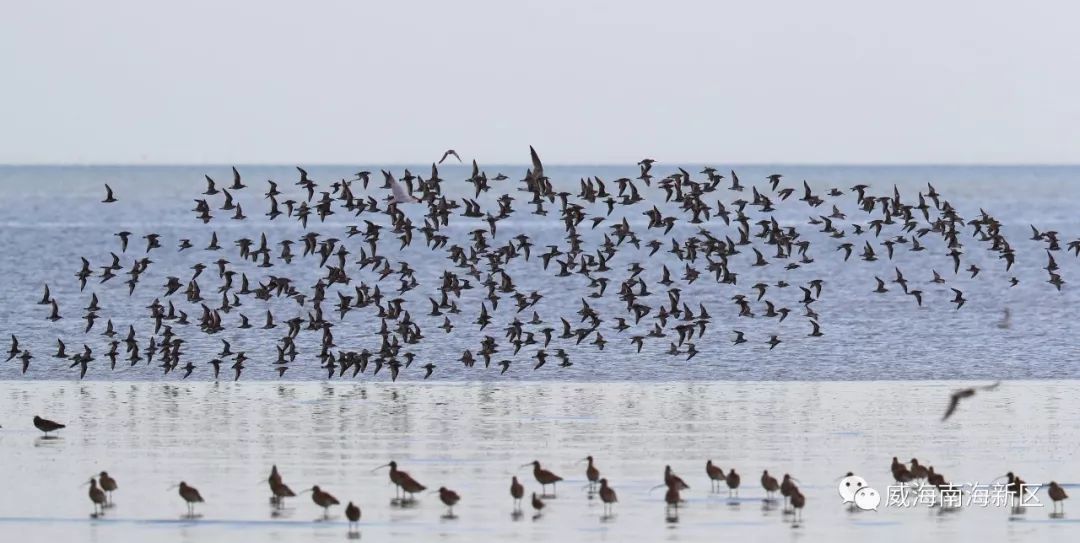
(586, 83)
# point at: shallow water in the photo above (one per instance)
(53, 217)
(223, 437)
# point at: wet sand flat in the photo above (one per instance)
(223, 437)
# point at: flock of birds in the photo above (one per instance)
(366, 280)
(407, 487)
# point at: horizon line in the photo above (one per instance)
(528, 165)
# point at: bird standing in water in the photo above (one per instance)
(47, 426)
(278, 489)
(607, 495)
(544, 477)
(190, 495)
(322, 499)
(517, 491)
(404, 482)
(1058, 496)
(798, 501)
(352, 512)
(592, 474)
(716, 475)
(768, 482)
(733, 481)
(449, 499)
(97, 496)
(108, 484)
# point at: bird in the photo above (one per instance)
(190, 495)
(352, 512)
(47, 426)
(517, 491)
(769, 483)
(607, 496)
(733, 480)
(449, 153)
(1057, 495)
(400, 195)
(109, 198)
(108, 484)
(798, 501)
(591, 473)
(958, 299)
(403, 481)
(715, 474)
(278, 489)
(322, 499)
(544, 477)
(788, 487)
(449, 499)
(97, 497)
(956, 396)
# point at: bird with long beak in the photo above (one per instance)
(322, 499)
(544, 477)
(97, 497)
(403, 481)
(190, 495)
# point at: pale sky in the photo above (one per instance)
(256, 81)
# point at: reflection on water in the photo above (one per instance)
(223, 438)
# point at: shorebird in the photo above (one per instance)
(591, 473)
(769, 483)
(607, 495)
(517, 491)
(449, 499)
(544, 477)
(46, 425)
(672, 480)
(733, 480)
(108, 484)
(190, 495)
(97, 496)
(1058, 496)
(918, 471)
(352, 512)
(716, 475)
(278, 489)
(798, 501)
(323, 499)
(403, 481)
(787, 489)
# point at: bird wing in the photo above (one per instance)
(400, 195)
(954, 400)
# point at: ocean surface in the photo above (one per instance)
(52, 217)
(222, 438)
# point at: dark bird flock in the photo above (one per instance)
(721, 230)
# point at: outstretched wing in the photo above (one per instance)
(400, 195)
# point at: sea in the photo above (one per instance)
(875, 385)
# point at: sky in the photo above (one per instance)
(600, 82)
